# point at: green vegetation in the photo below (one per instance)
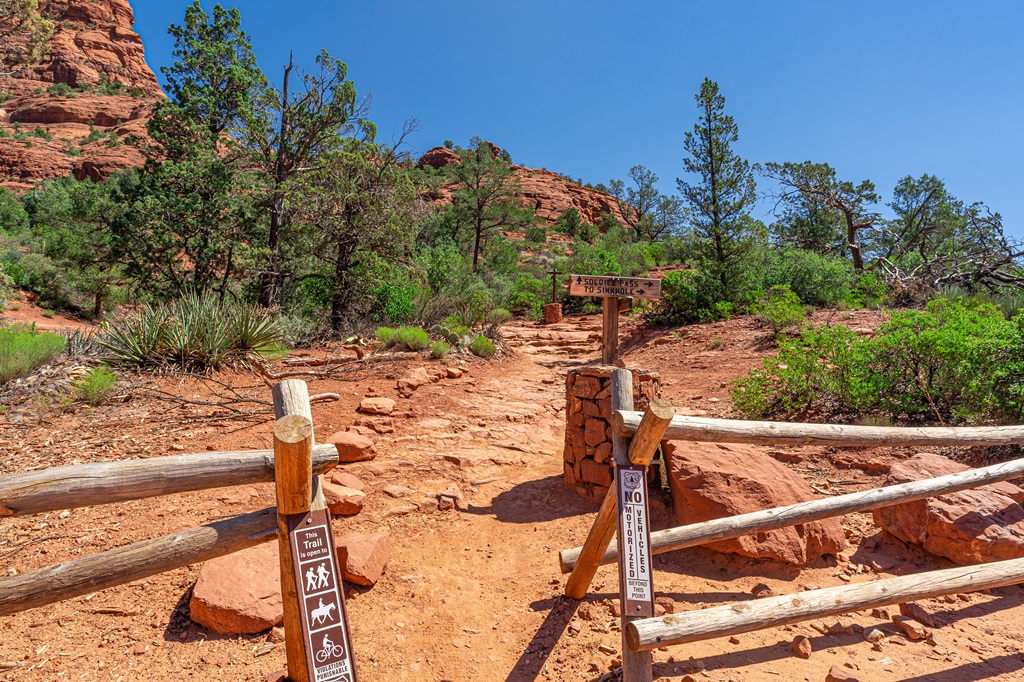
(23, 349)
(440, 349)
(95, 385)
(412, 338)
(482, 347)
(955, 360)
(197, 332)
(780, 308)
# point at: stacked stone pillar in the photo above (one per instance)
(588, 435)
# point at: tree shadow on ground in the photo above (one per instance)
(546, 499)
(533, 658)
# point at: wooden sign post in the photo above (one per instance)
(317, 640)
(612, 290)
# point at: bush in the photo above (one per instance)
(816, 279)
(949, 362)
(498, 317)
(440, 349)
(689, 296)
(482, 347)
(780, 307)
(412, 338)
(23, 349)
(393, 303)
(387, 336)
(96, 385)
(537, 235)
(196, 332)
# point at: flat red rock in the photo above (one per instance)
(239, 593)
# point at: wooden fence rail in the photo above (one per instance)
(697, 534)
(86, 485)
(625, 423)
(759, 614)
(140, 560)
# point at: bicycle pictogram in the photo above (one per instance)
(329, 650)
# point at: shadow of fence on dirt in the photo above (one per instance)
(546, 499)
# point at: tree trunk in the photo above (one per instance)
(342, 296)
(271, 279)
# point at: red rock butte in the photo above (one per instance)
(96, 53)
(548, 193)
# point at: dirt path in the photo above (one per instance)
(472, 593)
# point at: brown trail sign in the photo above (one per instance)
(613, 290)
(325, 631)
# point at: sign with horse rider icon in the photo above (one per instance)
(321, 598)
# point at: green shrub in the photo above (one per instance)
(393, 303)
(689, 296)
(440, 349)
(23, 349)
(537, 235)
(49, 314)
(96, 385)
(59, 90)
(413, 338)
(948, 362)
(196, 332)
(816, 279)
(42, 133)
(498, 317)
(780, 307)
(482, 347)
(387, 336)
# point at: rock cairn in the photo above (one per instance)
(588, 435)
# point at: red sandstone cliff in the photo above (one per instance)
(549, 194)
(95, 51)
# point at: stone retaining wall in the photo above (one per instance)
(588, 436)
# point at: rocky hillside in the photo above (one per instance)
(71, 112)
(548, 193)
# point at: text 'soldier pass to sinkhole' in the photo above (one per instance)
(321, 598)
(614, 287)
(634, 542)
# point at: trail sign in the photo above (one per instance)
(614, 287)
(613, 290)
(321, 598)
(634, 538)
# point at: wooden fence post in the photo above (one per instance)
(636, 665)
(641, 451)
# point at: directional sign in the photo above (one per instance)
(634, 542)
(608, 287)
(321, 598)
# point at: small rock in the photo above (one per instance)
(346, 479)
(353, 447)
(734, 640)
(666, 603)
(837, 674)
(454, 373)
(381, 406)
(761, 591)
(917, 612)
(910, 627)
(277, 676)
(363, 558)
(343, 501)
(838, 628)
(873, 635)
(276, 635)
(397, 491)
(802, 646)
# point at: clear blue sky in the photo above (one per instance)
(877, 89)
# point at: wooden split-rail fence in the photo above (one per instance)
(637, 437)
(295, 464)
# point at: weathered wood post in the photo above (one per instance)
(636, 589)
(642, 449)
(293, 448)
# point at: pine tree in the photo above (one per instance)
(724, 191)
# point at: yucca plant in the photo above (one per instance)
(196, 332)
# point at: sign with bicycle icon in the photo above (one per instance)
(321, 598)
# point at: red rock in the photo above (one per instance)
(972, 526)
(603, 453)
(343, 501)
(454, 372)
(713, 480)
(365, 431)
(381, 406)
(239, 593)
(594, 432)
(377, 424)
(592, 472)
(802, 646)
(363, 558)
(346, 479)
(918, 613)
(910, 627)
(438, 157)
(837, 674)
(412, 380)
(353, 447)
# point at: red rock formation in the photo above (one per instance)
(95, 51)
(549, 194)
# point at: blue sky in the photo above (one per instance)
(877, 89)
